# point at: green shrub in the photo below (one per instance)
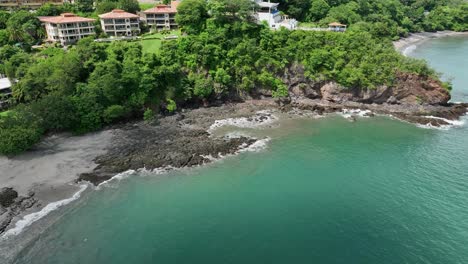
(55, 112)
(148, 115)
(18, 139)
(171, 105)
(113, 113)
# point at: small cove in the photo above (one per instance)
(324, 190)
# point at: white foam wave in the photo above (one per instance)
(209, 157)
(258, 145)
(451, 123)
(408, 50)
(235, 134)
(27, 220)
(349, 113)
(117, 177)
(261, 118)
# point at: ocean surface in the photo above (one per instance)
(322, 190)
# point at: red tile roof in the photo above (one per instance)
(163, 9)
(65, 18)
(118, 13)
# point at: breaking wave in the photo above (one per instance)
(27, 220)
(408, 50)
(349, 113)
(451, 123)
(261, 118)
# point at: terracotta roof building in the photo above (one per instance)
(161, 16)
(67, 28)
(120, 23)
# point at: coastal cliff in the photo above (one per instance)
(414, 98)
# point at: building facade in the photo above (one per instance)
(119, 23)
(161, 17)
(30, 4)
(5, 91)
(268, 12)
(67, 28)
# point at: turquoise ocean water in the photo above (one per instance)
(323, 191)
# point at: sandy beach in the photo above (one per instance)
(405, 45)
(48, 173)
(54, 164)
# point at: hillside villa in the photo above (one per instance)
(67, 28)
(269, 13)
(120, 23)
(161, 16)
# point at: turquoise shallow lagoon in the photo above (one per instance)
(323, 191)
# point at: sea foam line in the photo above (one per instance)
(408, 50)
(258, 145)
(451, 123)
(348, 113)
(117, 177)
(261, 118)
(27, 220)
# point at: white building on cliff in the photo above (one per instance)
(269, 13)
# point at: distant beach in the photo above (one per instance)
(408, 44)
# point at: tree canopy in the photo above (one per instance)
(384, 18)
(224, 54)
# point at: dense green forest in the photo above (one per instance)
(224, 55)
(383, 18)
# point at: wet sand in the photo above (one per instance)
(51, 168)
(48, 173)
(403, 44)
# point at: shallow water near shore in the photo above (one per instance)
(449, 56)
(323, 190)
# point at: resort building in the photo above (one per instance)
(269, 12)
(161, 17)
(29, 4)
(67, 28)
(119, 23)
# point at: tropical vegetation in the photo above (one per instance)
(223, 55)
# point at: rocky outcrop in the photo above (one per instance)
(12, 205)
(7, 196)
(414, 98)
(175, 141)
(415, 89)
(408, 89)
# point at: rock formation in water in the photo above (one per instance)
(412, 97)
(12, 205)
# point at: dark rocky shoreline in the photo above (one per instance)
(180, 140)
(183, 139)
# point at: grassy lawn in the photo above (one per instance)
(151, 43)
(4, 113)
(145, 6)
